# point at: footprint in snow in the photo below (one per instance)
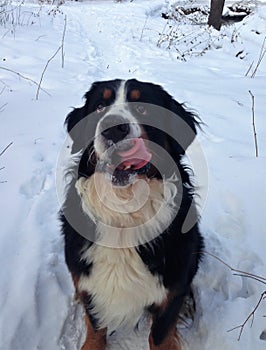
(41, 180)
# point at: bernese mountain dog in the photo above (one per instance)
(129, 219)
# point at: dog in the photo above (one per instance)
(129, 245)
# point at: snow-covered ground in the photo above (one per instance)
(107, 39)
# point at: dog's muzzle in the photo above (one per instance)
(125, 153)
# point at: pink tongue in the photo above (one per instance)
(137, 156)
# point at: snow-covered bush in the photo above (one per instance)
(13, 14)
(186, 30)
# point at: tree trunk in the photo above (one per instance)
(216, 13)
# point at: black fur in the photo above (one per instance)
(173, 256)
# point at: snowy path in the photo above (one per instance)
(106, 40)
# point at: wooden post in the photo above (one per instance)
(216, 14)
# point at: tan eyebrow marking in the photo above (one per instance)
(135, 95)
(107, 93)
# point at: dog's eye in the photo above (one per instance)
(100, 108)
(141, 109)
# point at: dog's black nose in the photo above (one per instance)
(115, 133)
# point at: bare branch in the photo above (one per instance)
(3, 89)
(3, 107)
(261, 56)
(63, 43)
(249, 68)
(4, 150)
(247, 275)
(239, 272)
(253, 277)
(143, 28)
(61, 47)
(44, 70)
(250, 316)
(23, 77)
(253, 124)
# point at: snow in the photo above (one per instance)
(105, 40)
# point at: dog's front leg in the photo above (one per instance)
(164, 335)
(171, 342)
(95, 339)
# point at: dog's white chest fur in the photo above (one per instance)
(128, 216)
(121, 286)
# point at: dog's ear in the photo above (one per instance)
(81, 122)
(74, 128)
(74, 117)
(184, 126)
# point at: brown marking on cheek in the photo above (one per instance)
(135, 95)
(107, 94)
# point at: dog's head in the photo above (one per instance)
(122, 127)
